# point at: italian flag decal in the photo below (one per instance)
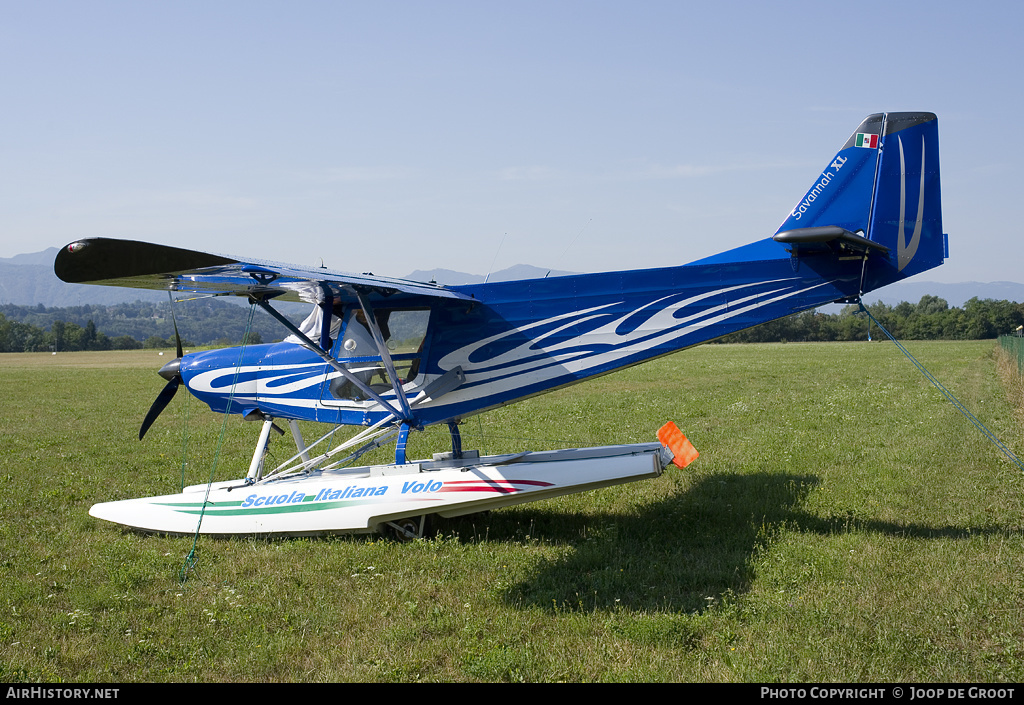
(866, 140)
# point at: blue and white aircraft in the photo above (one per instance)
(393, 356)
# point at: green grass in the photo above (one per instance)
(843, 523)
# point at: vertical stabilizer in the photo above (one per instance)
(907, 213)
(841, 195)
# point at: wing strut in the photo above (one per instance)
(382, 348)
(326, 357)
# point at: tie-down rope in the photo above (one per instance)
(946, 393)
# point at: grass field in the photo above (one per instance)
(843, 523)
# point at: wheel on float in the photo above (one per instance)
(408, 528)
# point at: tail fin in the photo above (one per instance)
(883, 181)
(907, 213)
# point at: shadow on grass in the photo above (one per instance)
(673, 555)
(680, 554)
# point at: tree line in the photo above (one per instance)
(135, 325)
(930, 319)
(216, 322)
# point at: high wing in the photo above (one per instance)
(143, 265)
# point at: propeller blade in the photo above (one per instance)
(174, 322)
(164, 398)
(171, 373)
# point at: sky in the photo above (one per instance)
(392, 136)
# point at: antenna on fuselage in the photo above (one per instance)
(489, 269)
(561, 257)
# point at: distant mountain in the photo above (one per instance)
(28, 280)
(45, 257)
(954, 294)
(447, 277)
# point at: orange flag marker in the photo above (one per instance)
(672, 438)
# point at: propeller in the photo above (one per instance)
(172, 373)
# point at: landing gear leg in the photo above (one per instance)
(453, 428)
(400, 445)
(256, 466)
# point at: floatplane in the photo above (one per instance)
(392, 356)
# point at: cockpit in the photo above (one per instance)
(353, 342)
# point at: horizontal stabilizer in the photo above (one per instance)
(828, 237)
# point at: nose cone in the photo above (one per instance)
(170, 370)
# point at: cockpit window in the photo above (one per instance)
(404, 332)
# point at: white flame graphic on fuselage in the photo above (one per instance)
(533, 361)
(548, 357)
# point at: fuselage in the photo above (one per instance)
(517, 339)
